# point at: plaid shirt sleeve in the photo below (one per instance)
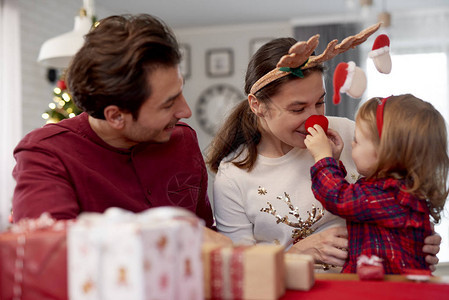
(363, 201)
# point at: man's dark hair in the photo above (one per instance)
(116, 60)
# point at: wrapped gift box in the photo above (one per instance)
(151, 255)
(247, 272)
(370, 268)
(299, 271)
(33, 260)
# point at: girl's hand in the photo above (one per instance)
(336, 143)
(318, 143)
(326, 246)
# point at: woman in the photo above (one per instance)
(262, 189)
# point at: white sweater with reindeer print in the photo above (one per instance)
(239, 196)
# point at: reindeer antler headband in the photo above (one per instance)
(300, 57)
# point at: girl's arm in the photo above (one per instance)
(355, 202)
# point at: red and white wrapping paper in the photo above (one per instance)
(33, 260)
(121, 255)
(243, 272)
(227, 273)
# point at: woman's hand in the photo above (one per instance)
(211, 236)
(432, 247)
(326, 246)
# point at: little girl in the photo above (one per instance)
(400, 149)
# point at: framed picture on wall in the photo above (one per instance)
(255, 44)
(219, 62)
(185, 65)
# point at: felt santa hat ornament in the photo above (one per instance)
(349, 79)
(380, 53)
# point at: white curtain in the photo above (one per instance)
(10, 101)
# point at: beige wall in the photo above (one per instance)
(237, 38)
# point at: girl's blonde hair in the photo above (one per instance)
(413, 146)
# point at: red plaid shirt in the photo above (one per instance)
(382, 219)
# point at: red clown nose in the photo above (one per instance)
(317, 119)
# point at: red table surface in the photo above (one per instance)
(355, 289)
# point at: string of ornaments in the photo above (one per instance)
(351, 79)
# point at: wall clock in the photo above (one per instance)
(214, 104)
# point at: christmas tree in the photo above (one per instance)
(63, 106)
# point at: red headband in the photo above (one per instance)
(380, 114)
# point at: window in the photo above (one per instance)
(424, 75)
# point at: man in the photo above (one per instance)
(127, 149)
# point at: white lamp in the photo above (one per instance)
(58, 51)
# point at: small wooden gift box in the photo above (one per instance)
(300, 273)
